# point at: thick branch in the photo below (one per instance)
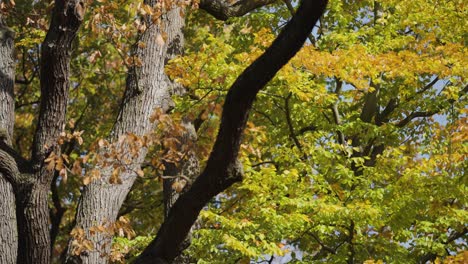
(303, 130)
(147, 89)
(55, 68)
(7, 73)
(224, 9)
(370, 108)
(222, 169)
(383, 116)
(454, 236)
(428, 113)
(393, 103)
(8, 224)
(414, 115)
(325, 247)
(8, 167)
(32, 200)
(292, 11)
(12, 157)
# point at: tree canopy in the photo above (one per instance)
(355, 151)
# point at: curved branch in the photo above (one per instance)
(305, 129)
(222, 169)
(292, 11)
(224, 9)
(11, 157)
(414, 115)
(325, 247)
(8, 167)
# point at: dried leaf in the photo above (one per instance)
(140, 173)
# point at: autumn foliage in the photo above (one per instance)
(355, 152)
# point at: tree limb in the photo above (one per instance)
(325, 247)
(454, 236)
(7, 73)
(292, 11)
(224, 9)
(8, 223)
(8, 167)
(222, 169)
(32, 199)
(55, 68)
(370, 108)
(8, 153)
(414, 115)
(305, 129)
(382, 117)
(292, 134)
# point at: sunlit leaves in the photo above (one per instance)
(327, 172)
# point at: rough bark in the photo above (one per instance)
(147, 89)
(185, 170)
(224, 9)
(33, 190)
(8, 228)
(7, 77)
(223, 169)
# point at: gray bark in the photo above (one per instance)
(8, 230)
(147, 89)
(8, 227)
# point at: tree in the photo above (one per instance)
(119, 159)
(345, 157)
(353, 152)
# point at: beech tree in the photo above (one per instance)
(116, 162)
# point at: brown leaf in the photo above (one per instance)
(64, 175)
(86, 180)
(140, 173)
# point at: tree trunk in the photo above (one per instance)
(8, 226)
(33, 224)
(8, 231)
(32, 189)
(147, 89)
